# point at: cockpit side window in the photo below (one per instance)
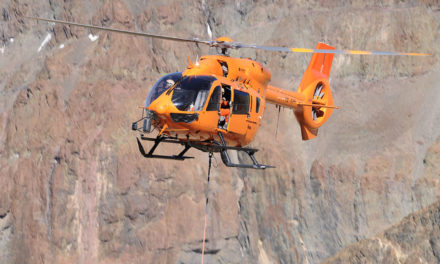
(161, 86)
(202, 95)
(214, 101)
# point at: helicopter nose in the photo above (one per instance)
(162, 109)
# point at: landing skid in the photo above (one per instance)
(157, 141)
(205, 146)
(227, 160)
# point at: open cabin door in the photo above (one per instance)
(240, 112)
(211, 113)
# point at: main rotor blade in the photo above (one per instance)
(233, 45)
(135, 33)
(351, 52)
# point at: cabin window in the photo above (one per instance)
(225, 68)
(257, 105)
(214, 102)
(241, 103)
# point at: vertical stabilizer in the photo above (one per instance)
(316, 90)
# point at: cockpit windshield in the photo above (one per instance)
(191, 92)
(161, 86)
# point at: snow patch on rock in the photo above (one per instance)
(45, 41)
(93, 38)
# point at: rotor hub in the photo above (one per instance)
(223, 39)
(224, 43)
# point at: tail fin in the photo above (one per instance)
(316, 90)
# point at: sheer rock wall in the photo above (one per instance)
(76, 190)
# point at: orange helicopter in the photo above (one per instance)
(217, 103)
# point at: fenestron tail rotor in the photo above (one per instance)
(318, 95)
(229, 44)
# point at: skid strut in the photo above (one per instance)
(157, 141)
(227, 160)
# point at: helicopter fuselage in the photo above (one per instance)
(214, 88)
(217, 103)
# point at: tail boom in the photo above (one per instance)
(284, 98)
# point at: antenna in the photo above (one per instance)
(278, 120)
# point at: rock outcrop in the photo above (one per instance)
(414, 240)
(76, 190)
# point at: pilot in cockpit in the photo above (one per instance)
(170, 83)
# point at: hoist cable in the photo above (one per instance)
(206, 206)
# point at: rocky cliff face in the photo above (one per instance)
(76, 190)
(414, 240)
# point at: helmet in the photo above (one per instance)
(170, 82)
